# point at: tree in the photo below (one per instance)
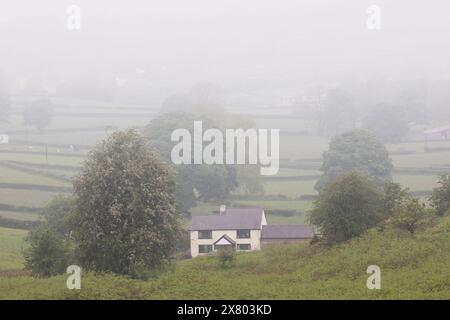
(38, 114)
(346, 208)
(387, 122)
(59, 213)
(440, 198)
(125, 201)
(48, 254)
(394, 194)
(210, 182)
(50, 249)
(357, 150)
(409, 215)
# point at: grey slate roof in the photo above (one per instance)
(232, 219)
(299, 231)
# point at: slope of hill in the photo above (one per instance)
(412, 267)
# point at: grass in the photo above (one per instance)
(422, 160)
(417, 183)
(25, 198)
(11, 248)
(9, 175)
(412, 267)
(40, 159)
(292, 189)
(22, 216)
(295, 205)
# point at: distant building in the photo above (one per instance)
(244, 229)
(442, 133)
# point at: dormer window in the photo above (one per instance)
(243, 234)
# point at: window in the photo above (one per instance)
(243, 234)
(205, 248)
(244, 246)
(205, 234)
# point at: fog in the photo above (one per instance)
(165, 47)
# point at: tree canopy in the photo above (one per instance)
(346, 208)
(440, 198)
(125, 201)
(356, 150)
(199, 181)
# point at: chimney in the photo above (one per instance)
(222, 209)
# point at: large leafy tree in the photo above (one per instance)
(357, 150)
(346, 208)
(125, 197)
(200, 181)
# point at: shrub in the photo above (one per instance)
(440, 198)
(227, 257)
(346, 208)
(48, 254)
(409, 215)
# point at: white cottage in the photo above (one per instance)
(243, 229)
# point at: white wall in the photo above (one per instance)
(254, 240)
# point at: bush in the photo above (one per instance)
(48, 255)
(346, 208)
(227, 257)
(440, 198)
(409, 215)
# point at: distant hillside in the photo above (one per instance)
(412, 267)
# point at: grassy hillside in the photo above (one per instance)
(412, 267)
(11, 249)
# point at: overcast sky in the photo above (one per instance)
(227, 41)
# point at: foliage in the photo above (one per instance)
(394, 194)
(412, 268)
(409, 215)
(38, 114)
(48, 254)
(387, 122)
(125, 213)
(440, 198)
(58, 214)
(346, 208)
(227, 257)
(357, 150)
(220, 179)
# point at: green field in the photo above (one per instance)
(11, 248)
(412, 267)
(9, 175)
(21, 216)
